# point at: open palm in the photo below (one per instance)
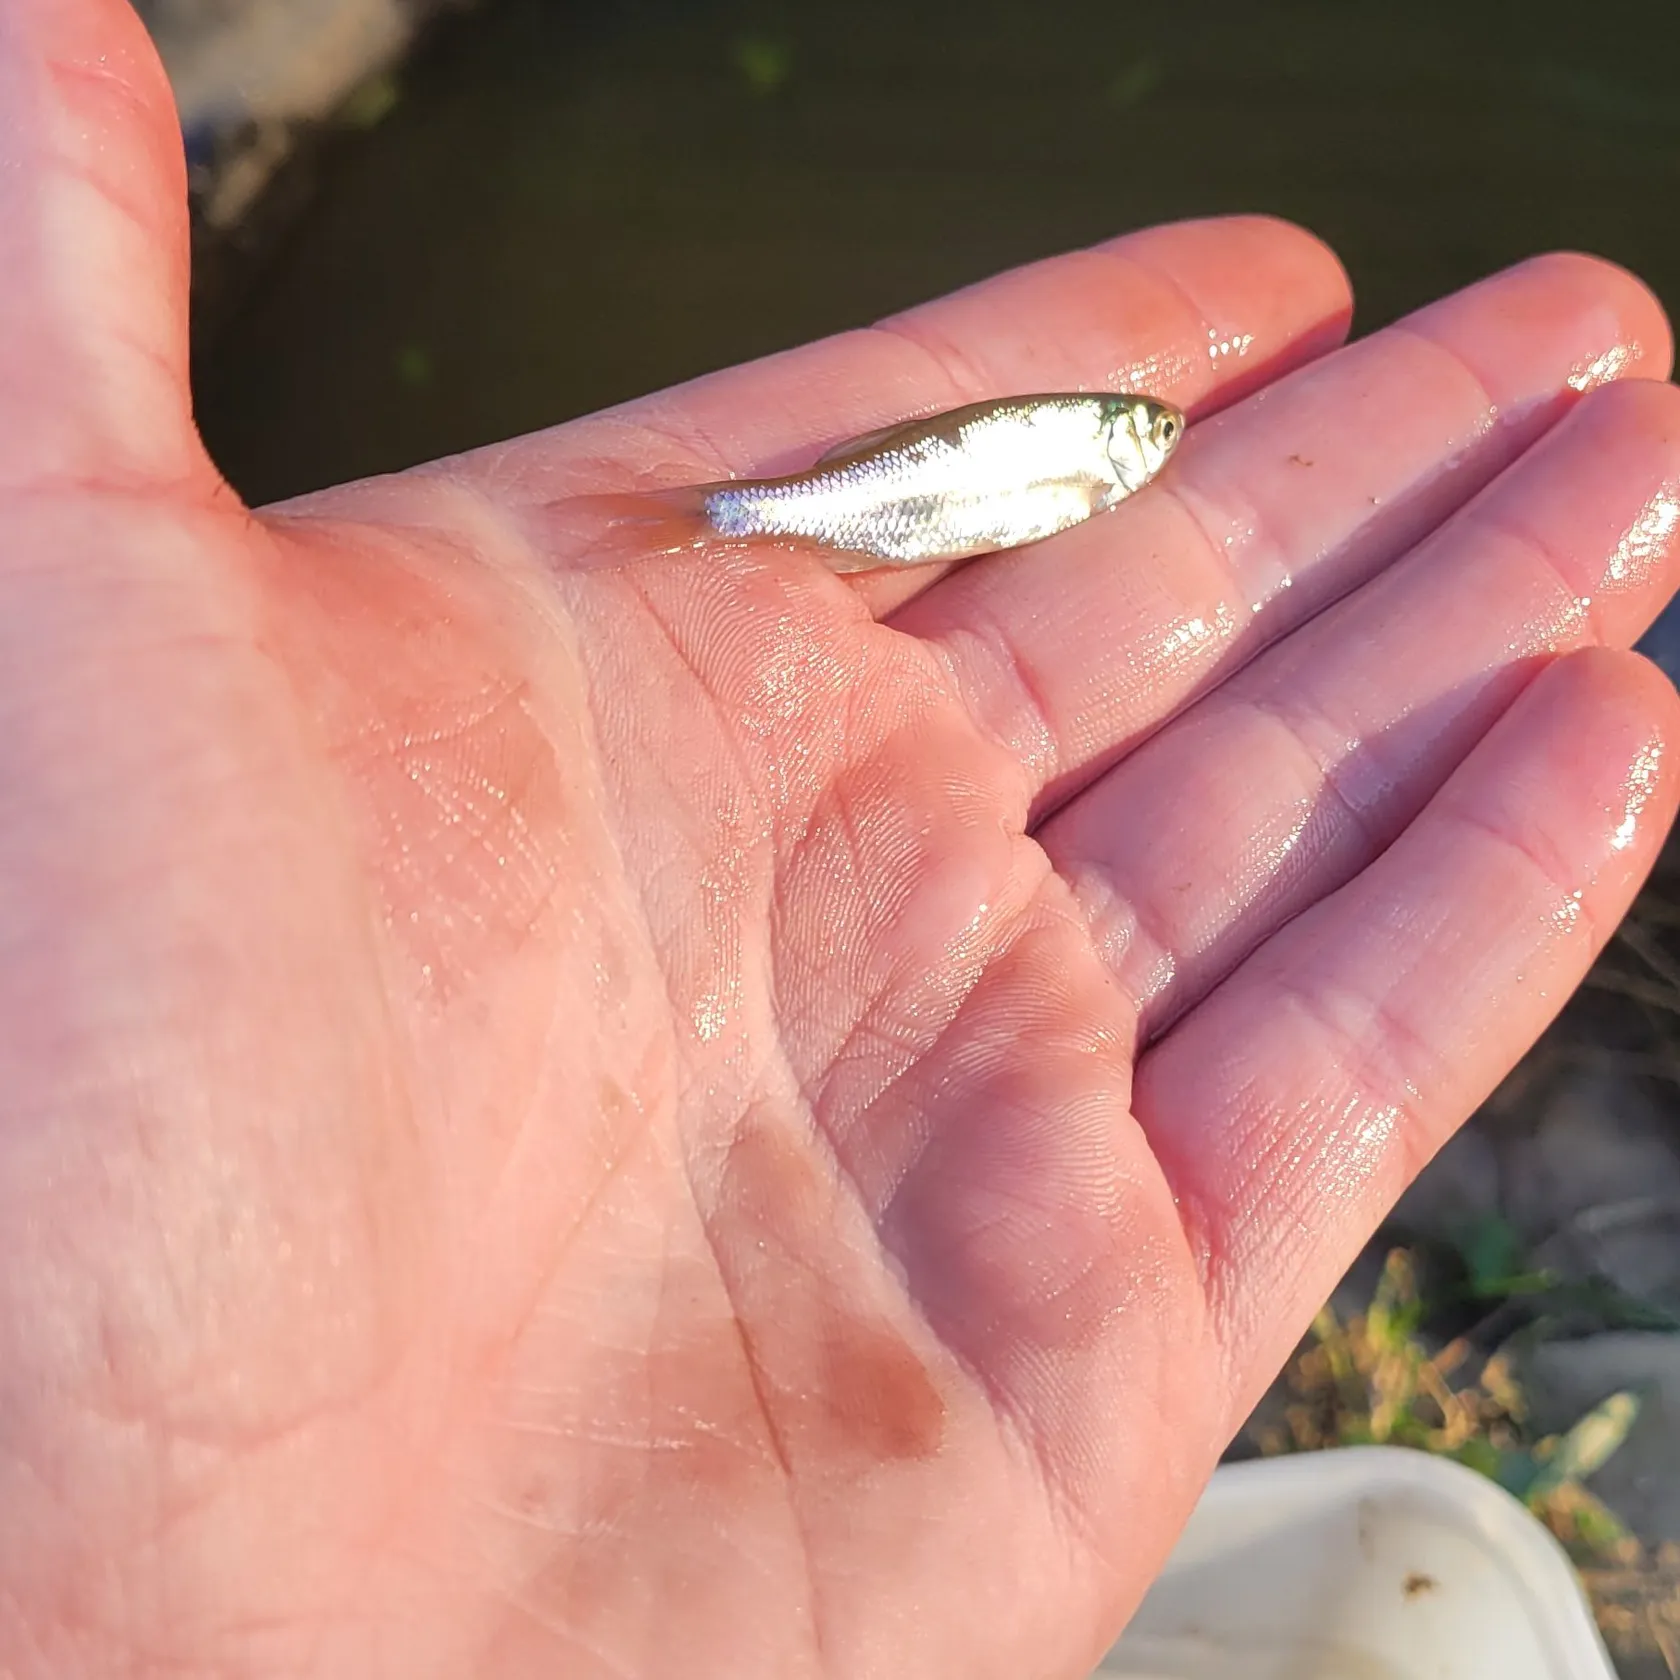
(579, 1112)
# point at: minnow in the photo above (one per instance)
(974, 480)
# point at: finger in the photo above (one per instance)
(93, 251)
(1291, 1108)
(1198, 312)
(1283, 784)
(1072, 652)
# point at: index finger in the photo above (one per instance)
(1198, 313)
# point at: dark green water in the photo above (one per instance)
(572, 204)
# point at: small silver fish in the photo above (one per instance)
(974, 480)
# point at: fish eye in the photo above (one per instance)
(1166, 429)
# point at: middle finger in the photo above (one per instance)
(1072, 652)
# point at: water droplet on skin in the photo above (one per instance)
(1236, 345)
(1264, 598)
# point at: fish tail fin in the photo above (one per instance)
(633, 507)
(634, 522)
(682, 501)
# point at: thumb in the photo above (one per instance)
(94, 253)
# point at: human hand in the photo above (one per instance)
(680, 1115)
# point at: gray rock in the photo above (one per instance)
(1460, 1187)
(1592, 1180)
(246, 73)
(273, 60)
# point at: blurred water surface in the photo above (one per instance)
(573, 203)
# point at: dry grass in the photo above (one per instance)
(1375, 1380)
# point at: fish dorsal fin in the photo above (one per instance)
(899, 429)
(926, 425)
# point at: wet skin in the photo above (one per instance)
(571, 1112)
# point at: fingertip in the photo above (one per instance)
(1645, 347)
(103, 38)
(1540, 335)
(1658, 687)
(1597, 501)
(94, 250)
(1640, 406)
(1653, 693)
(1314, 257)
(1611, 720)
(1640, 809)
(1267, 297)
(1622, 441)
(1617, 680)
(1263, 251)
(1618, 446)
(1239, 241)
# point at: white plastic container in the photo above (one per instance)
(1369, 1563)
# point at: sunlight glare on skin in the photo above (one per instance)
(1643, 781)
(1646, 541)
(1585, 376)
